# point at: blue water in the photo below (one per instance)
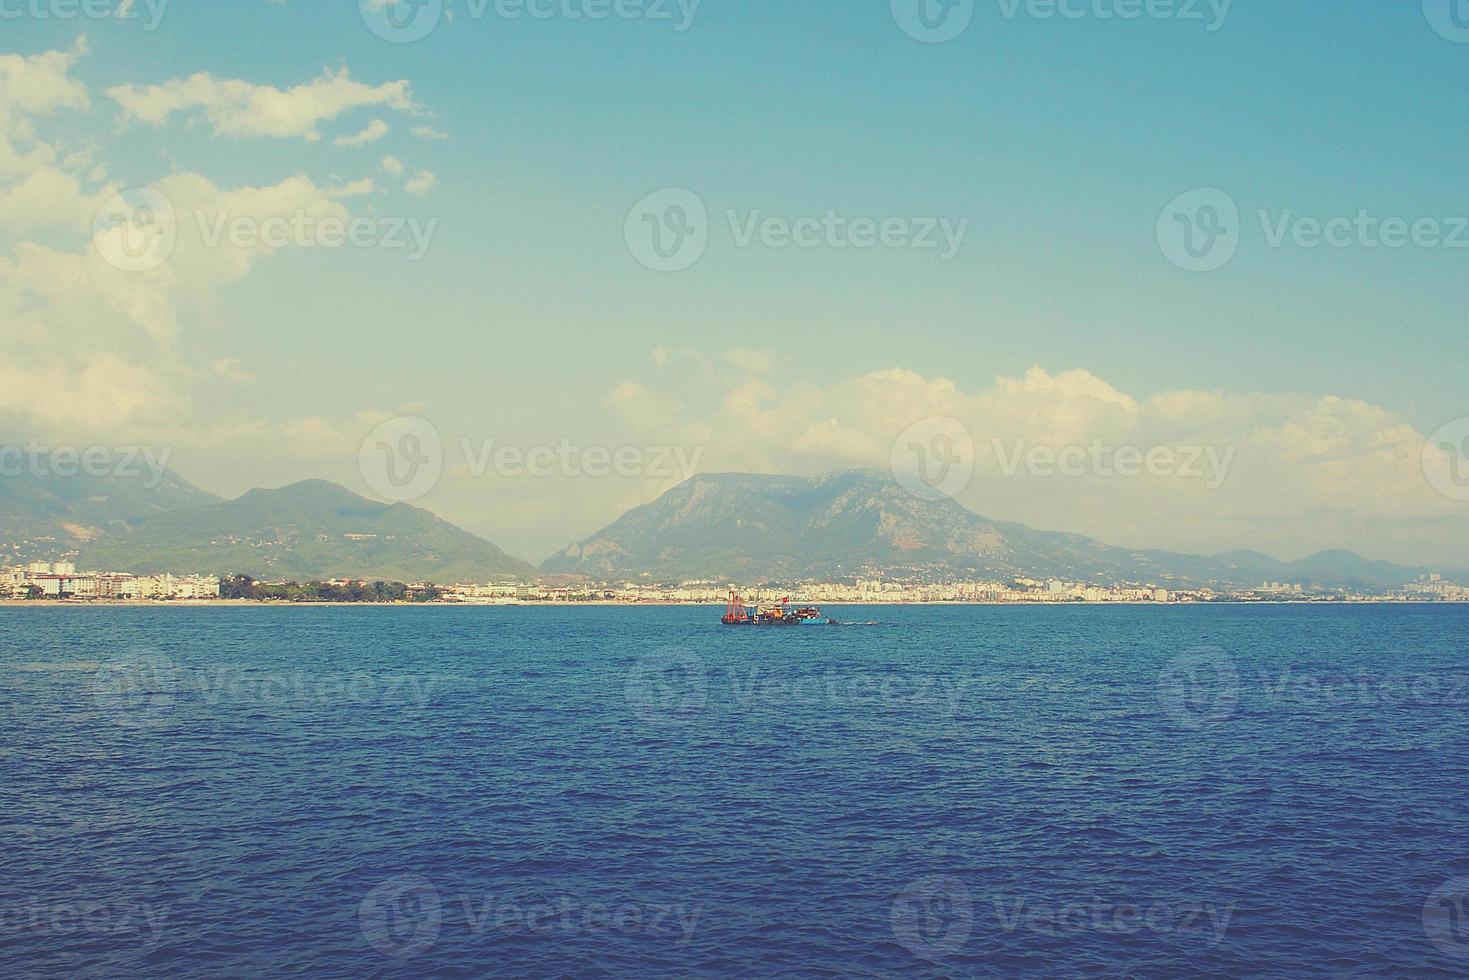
(351, 792)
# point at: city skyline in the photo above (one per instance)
(63, 580)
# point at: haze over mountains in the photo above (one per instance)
(861, 523)
(44, 515)
(311, 530)
(731, 527)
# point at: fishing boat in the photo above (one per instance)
(783, 613)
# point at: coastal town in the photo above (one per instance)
(61, 581)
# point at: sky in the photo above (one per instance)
(1085, 226)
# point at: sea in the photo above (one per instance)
(1222, 790)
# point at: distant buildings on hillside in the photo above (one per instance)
(1433, 586)
(61, 580)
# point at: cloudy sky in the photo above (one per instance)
(758, 236)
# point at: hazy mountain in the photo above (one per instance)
(311, 530)
(774, 528)
(44, 516)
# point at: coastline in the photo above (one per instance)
(251, 603)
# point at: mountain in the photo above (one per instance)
(776, 528)
(45, 516)
(311, 530)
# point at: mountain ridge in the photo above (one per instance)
(42, 516)
(741, 526)
(733, 526)
(313, 529)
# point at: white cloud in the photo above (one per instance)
(88, 344)
(91, 392)
(202, 265)
(420, 184)
(91, 344)
(375, 131)
(640, 409)
(244, 109)
(31, 86)
(40, 84)
(48, 198)
(357, 188)
(90, 347)
(95, 352)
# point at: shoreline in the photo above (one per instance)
(590, 604)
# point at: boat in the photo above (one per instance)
(783, 613)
